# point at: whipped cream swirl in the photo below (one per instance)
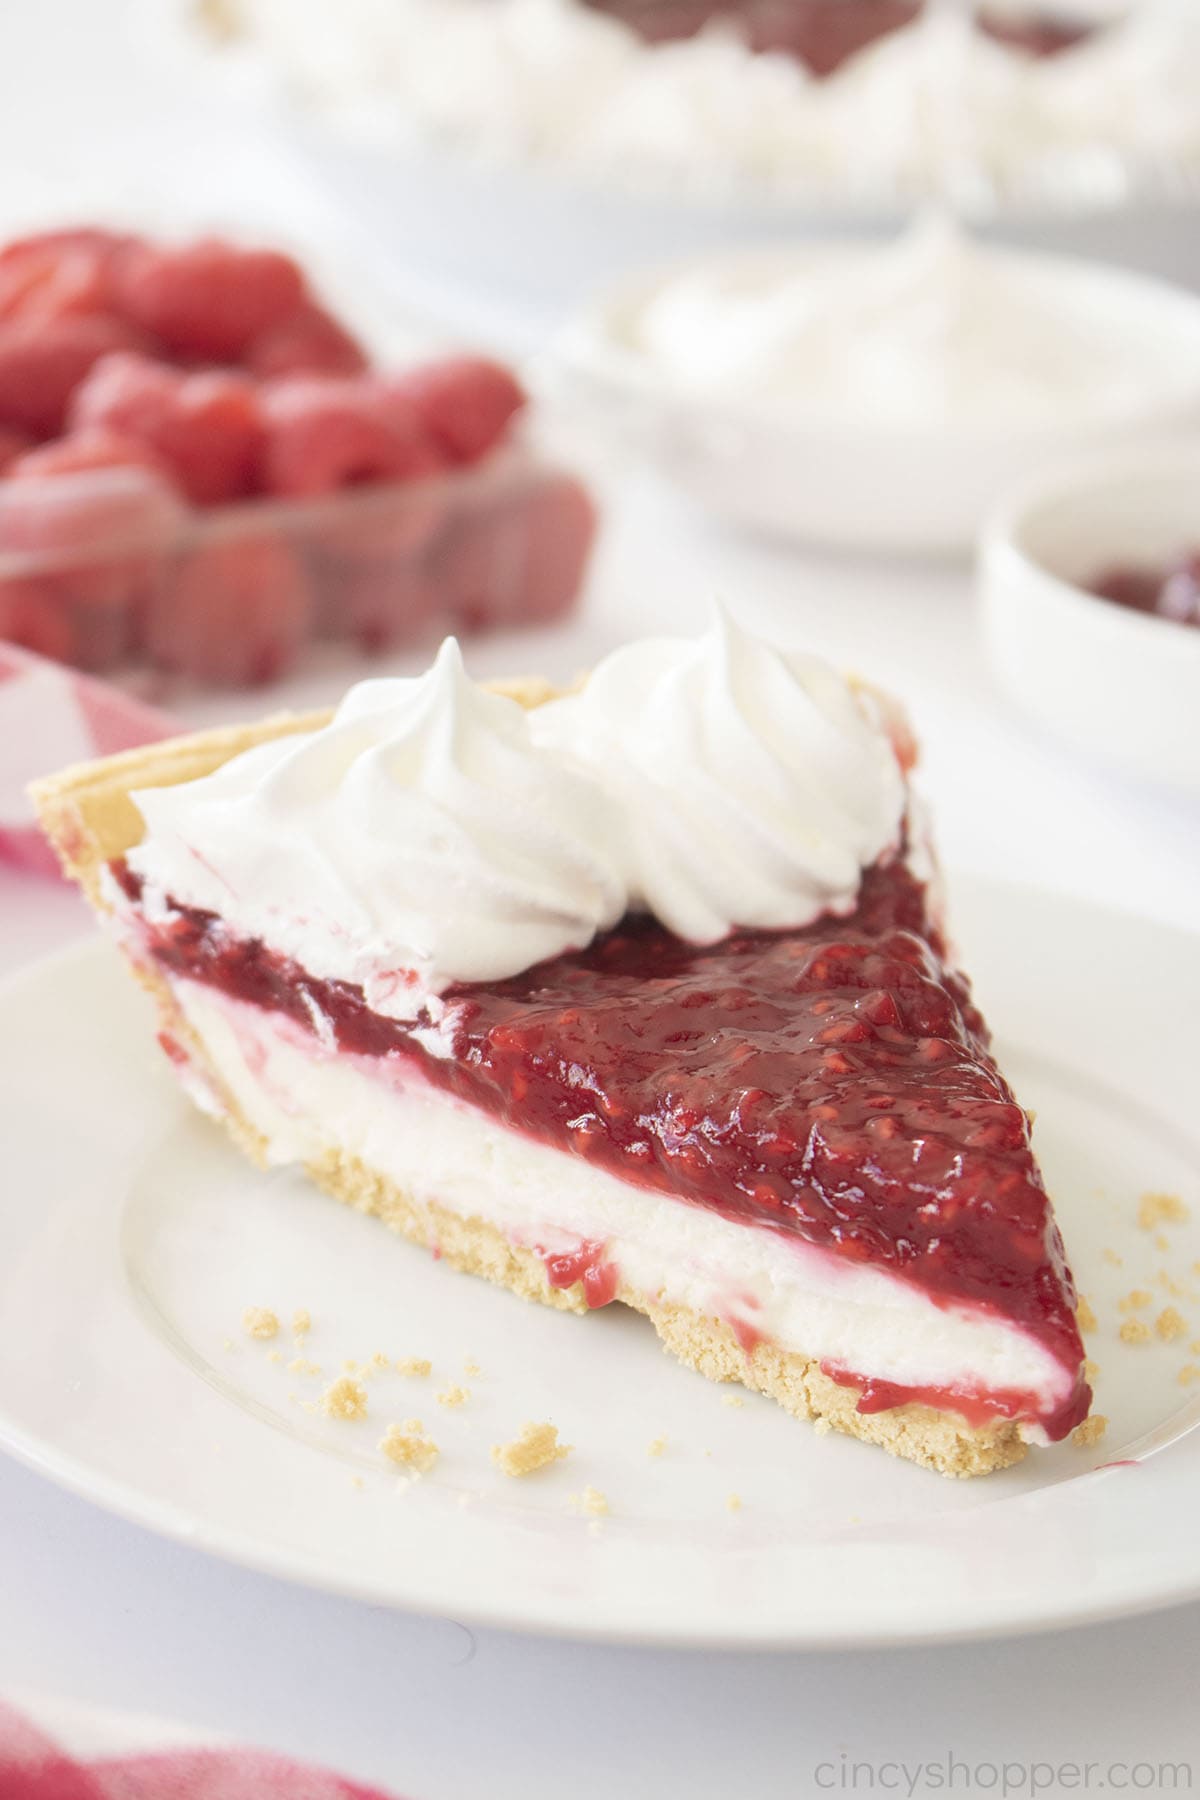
(929, 331)
(420, 833)
(755, 786)
(436, 832)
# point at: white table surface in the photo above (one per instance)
(97, 1610)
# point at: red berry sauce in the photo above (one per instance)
(1169, 593)
(833, 1083)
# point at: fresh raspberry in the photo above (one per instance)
(309, 341)
(522, 561)
(32, 614)
(57, 273)
(465, 402)
(234, 611)
(204, 425)
(324, 434)
(208, 299)
(42, 362)
(12, 445)
(381, 604)
(95, 447)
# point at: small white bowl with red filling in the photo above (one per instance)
(201, 470)
(1090, 589)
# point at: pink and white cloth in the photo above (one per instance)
(34, 1767)
(51, 716)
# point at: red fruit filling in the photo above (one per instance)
(825, 34)
(831, 1083)
(1170, 593)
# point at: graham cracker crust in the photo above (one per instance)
(89, 818)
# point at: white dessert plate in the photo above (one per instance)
(132, 1238)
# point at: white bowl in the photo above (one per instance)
(856, 486)
(1122, 685)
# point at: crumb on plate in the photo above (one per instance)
(1085, 1318)
(1161, 1209)
(1135, 1331)
(535, 1447)
(1189, 1374)
(734, 1503)
(413, 1365)
(1091, 1431)
(656, 1446)
(591, 1501)
(1170, 1324)
(259, 1322)
(409, 1446)
(345, 1398)
(454, 1396)
(301, 1321)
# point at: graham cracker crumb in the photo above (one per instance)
(345, 1398)
(413, 1365)
(379, 1360)
(356, 1481)
(259, 1322)
(409, 1446)
(1090, 1369)
(1135, 1331)
(734, 1400)
(1189, 1374)
(1161, 1209)
(1091, 1431)
(1085, 1318)
(274, 1355)
(591, 1501)
(1161, 1241)
(454, 1396)
(656, 1446)
(1196, 1268)
(1112, 1259)
(350, 1366)
(1168, 1283)
(1135, 1298)
(534, 1448)
(300, 1365)
(471, 1368)
(1194, 1346)
(301, 1321)
(1170, 1324)
(734, 1503)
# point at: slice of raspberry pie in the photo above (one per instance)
(637, 993)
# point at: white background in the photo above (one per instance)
(97, 1610)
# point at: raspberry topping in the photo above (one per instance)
(833, 1083)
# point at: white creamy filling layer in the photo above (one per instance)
(306, 1100)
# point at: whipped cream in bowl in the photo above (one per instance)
(880, 395)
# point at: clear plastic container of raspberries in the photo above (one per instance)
(200, 471)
